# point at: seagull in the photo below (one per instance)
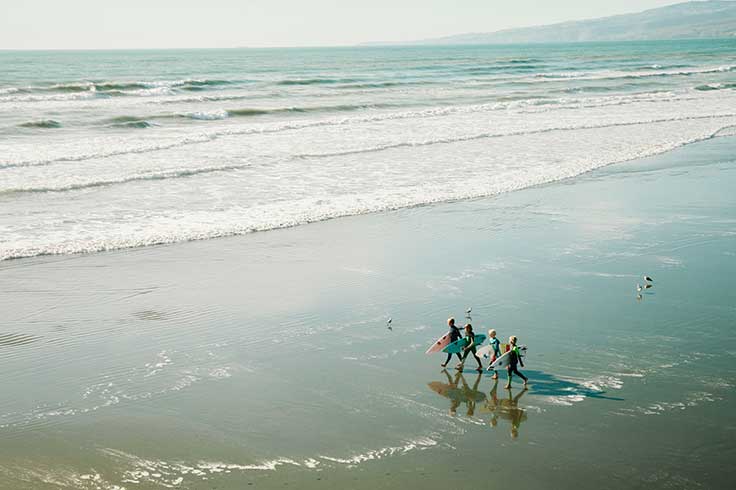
(467, 312)
(388, 323)
(638, 288)
(647, 286)
(648, 279)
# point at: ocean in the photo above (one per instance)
(103, 150)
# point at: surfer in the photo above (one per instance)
(454, 335)
(514, 359)
(470, 348)
(496, 347)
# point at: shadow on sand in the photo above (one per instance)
(545, 384)
(502, 404)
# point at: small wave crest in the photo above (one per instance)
(248, 112)
(198, 85)
(633, 75)
(207, 115)
(132, 124)
(104, 86)
(88, 89)
(164, 175)
(715, 86)
(43, 123)
(128, 122)
(315, 81)
(256, 111)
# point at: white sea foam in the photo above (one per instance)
(361, 194)
(207, 116)
(614, 74)
(171, 473)
(158, 377)
(114, 148)
(202, 174)
(691, 400)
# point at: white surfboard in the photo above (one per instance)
(486, 352)
(503, 361)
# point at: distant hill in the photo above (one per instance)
(690, 20)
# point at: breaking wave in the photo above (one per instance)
(715, 86)
(44, 124)
(535, 104)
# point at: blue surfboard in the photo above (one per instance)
(460, 344)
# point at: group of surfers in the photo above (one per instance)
(470, 348)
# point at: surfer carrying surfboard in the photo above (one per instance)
(454, 335)
(470, 347)
(514, 359)
(496, 347)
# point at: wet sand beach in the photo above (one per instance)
(264, 360)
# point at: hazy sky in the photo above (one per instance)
(100, 24)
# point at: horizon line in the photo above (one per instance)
(367, 44)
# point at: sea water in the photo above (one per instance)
(103, 150)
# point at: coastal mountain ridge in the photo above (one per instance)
(689, 20)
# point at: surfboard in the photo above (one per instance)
(439, 344)
(503, 361)
(459, 345)
(486, 352)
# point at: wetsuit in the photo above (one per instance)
(514, 359)
(471, 337)
(454, 335)
(496, 346)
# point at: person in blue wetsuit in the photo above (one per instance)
(454, 335)
(496, 346)
(470, 348)
(514, 359)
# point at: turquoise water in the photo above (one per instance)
(102, 150)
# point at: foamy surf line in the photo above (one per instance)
(311, 210)
(530, 106)
(177, 173)
(174, 473)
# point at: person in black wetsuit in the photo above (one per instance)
(454, 335)
(514, 359)
(470, 348)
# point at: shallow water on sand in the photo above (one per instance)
(265, 360)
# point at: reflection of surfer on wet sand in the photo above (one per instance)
(463, 394)
(506, 408)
